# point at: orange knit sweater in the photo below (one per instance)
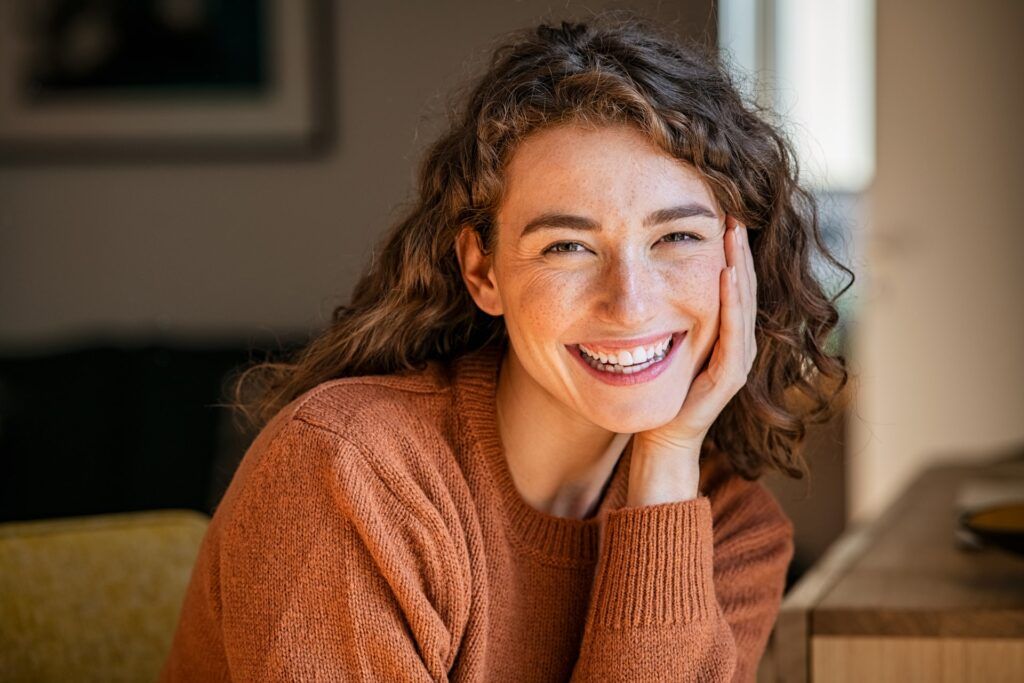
(373, 532)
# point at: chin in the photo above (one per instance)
(637, 421)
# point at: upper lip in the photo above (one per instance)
(628, 343)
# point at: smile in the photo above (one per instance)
(627, 366)
(626, 357)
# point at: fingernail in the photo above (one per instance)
(732, 274)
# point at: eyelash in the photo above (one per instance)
(552, 250)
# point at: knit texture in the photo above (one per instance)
(373, 532)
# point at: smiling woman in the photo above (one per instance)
(528, 449)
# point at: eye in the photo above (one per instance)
(555, 248)
(567, 247)
(690, 237)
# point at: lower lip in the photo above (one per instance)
(645, 375)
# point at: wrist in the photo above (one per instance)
(660, 474)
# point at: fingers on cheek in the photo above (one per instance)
(729, 293)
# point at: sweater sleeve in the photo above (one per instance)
(668, 603)
(327, 573)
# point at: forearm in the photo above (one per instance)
(676, 596)
(653, 614)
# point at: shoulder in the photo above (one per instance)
(309, 499)
(370, 447)
(378, 440)
(355, 432)
(379, 414)
(402, 424)
(349, 405)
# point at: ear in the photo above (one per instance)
(478, 271)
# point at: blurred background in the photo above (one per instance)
(188, 185)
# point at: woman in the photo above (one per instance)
(529, 447)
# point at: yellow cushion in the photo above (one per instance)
(93, 598)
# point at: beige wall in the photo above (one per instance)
(227, 249)
(940, 336)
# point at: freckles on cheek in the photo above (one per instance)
(698, 284)
(544, 302)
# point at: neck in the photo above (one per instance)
(560, 462)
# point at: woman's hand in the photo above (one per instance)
(665, 461)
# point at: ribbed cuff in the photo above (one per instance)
(655, 566)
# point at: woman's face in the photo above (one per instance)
(606, 241)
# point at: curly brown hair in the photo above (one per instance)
(411, 304)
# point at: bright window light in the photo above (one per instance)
(813, 62)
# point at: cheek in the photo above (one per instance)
(538, 299)
(697, 285)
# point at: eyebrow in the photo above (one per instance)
(565, 220)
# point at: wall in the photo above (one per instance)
(940, 331)
(222, 250)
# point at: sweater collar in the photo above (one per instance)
(559, 540)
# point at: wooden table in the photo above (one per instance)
(900, 599)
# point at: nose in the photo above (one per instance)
(630, 295)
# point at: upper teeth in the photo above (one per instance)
(640, 354)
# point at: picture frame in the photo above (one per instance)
(157, 80)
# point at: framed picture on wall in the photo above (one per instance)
(149, 79)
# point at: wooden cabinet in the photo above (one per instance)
(902, 599)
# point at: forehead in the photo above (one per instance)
(613, 169)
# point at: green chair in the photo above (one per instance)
(93, 598)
